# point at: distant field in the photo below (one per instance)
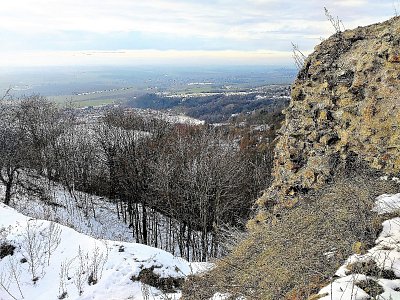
(94, 99)
(85, 103)
(192, 89)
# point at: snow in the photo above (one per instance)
(386, 255)
(220, 296)
(344, 288)
(224, 296)
(88, 214)
(181, 119)
(74, 256)
(386, 178)
(101, 243)
(387, 203)
(168, 116)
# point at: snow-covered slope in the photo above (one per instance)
(88, 214)
(375, 274)
(52, 261)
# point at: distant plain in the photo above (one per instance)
(93, 86)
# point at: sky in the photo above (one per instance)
(129, 32)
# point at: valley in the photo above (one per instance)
(131, 165)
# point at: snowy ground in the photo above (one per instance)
(52, 261)
(382, 261)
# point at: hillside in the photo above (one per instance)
(216, 106)
(340, 135)
(43, 260)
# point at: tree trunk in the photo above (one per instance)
(144, 223)
(7, 198)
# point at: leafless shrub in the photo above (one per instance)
(396, 5)
(63, 277)
(298, 56)
(96, 265)
(336, 22)
(38, 245)
(81, 271)
(5, 282)
(12, 271)
(6, 95)
(145, 291)
(15, 272)
(89, 268)
(33, 249)
(53, 239)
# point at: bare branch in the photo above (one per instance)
(336, 22)
(298, 56)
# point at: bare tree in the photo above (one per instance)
(28, 128)
(13, 150)
(42, 122)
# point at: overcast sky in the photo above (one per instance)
(57, 32)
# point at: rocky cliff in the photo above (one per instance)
(341, 133)
(345, 100)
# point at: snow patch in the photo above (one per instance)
(387, 204)
(385, 256)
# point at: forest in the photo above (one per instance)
(182, 188)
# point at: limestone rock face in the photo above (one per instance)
(346, 99)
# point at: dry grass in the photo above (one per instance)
(371, 287)
(297, 250)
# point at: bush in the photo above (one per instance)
(6, 249)
(165, 284)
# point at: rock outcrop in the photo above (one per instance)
(341, 132)
(345, 100)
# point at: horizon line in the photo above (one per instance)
(144, 57)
